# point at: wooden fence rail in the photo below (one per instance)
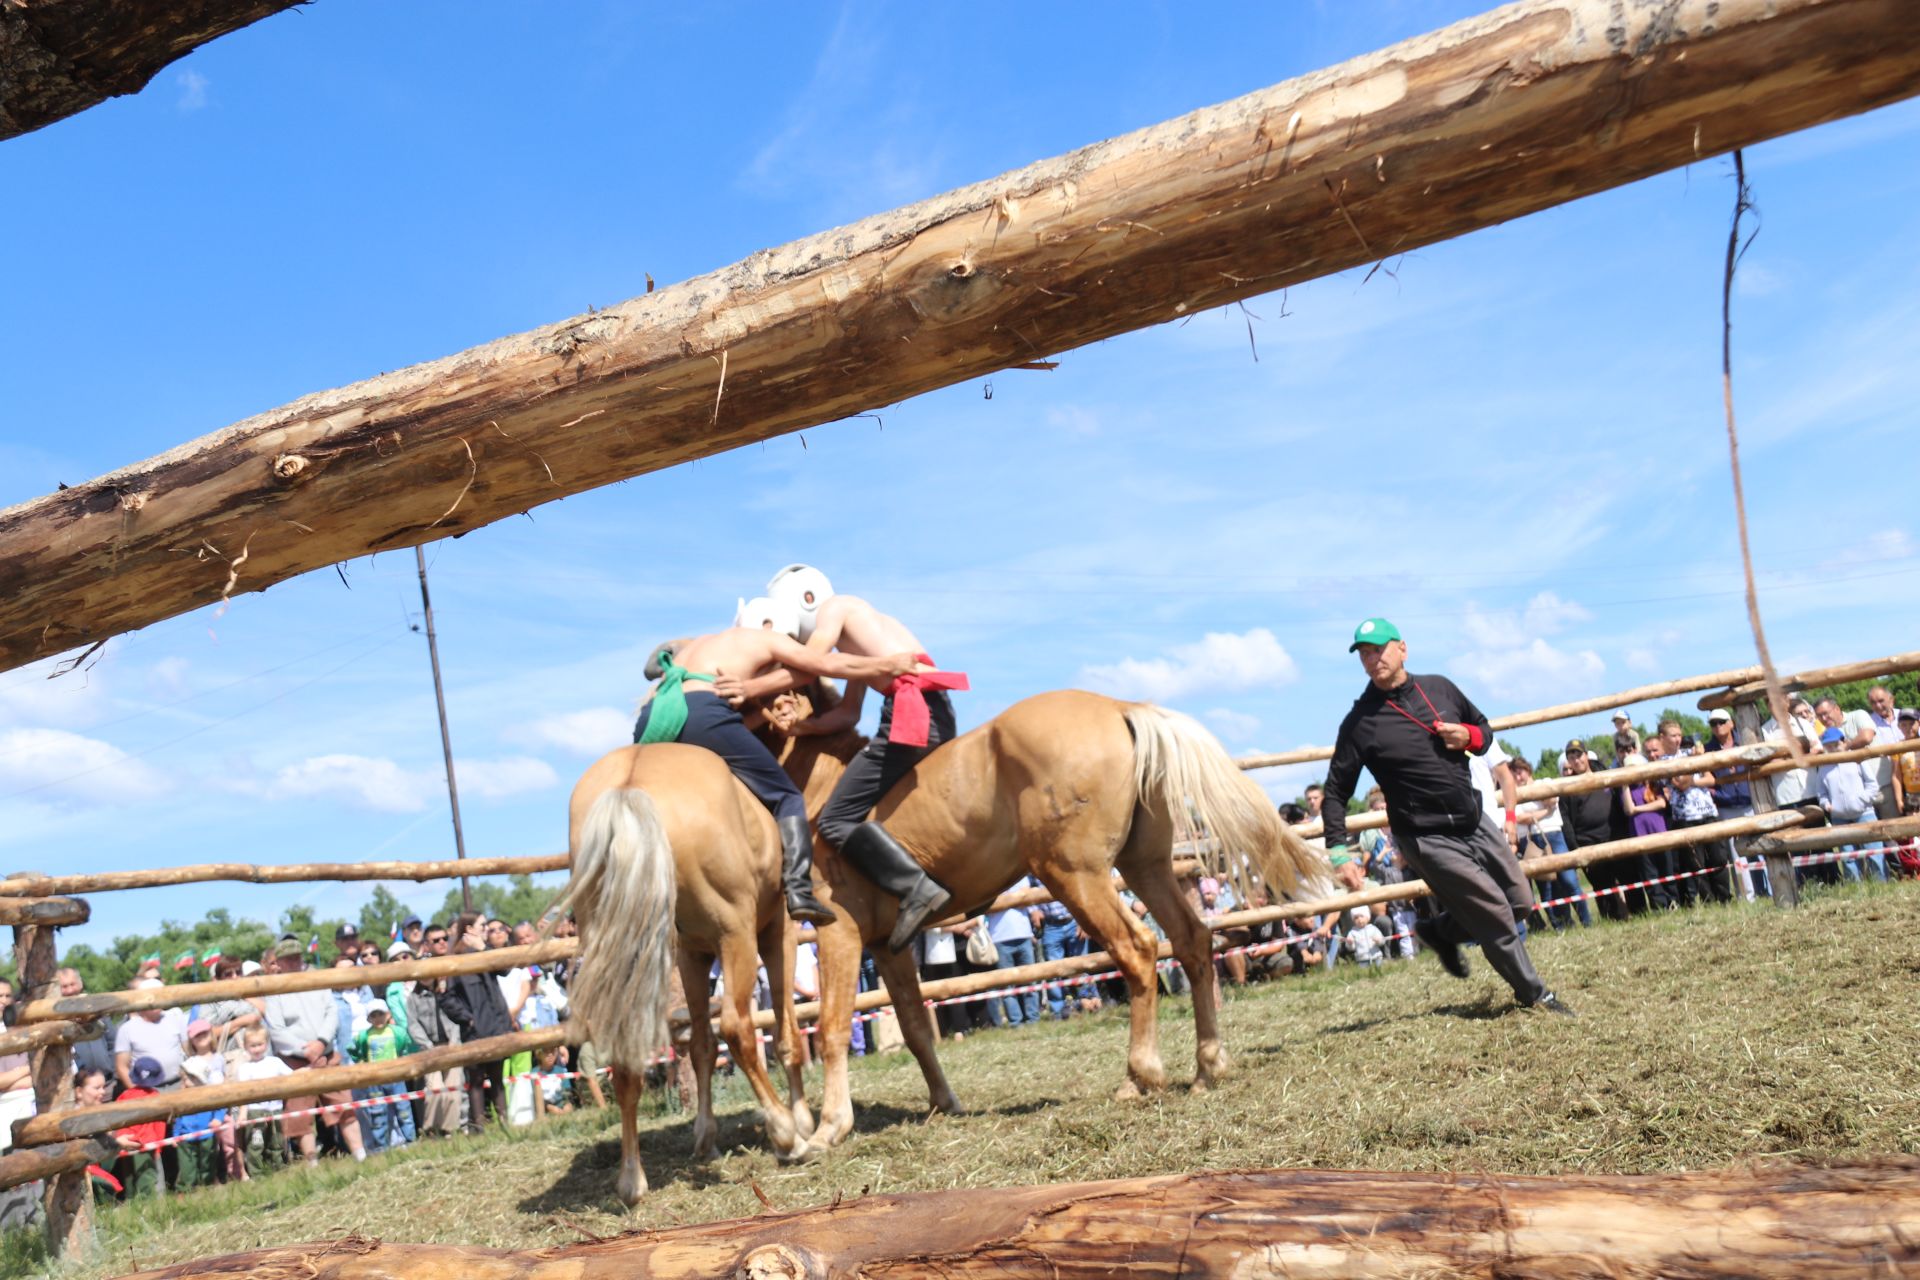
(37, 885)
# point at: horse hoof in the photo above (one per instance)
(1127, 1092)
(632, 1187)
(800, 1154)
(1201, 1085)
(803, 1121)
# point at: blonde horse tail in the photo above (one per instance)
(1182, 769)
(623, 894)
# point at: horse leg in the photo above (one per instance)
(916, 1026)
(701, 1048)
(776, 951)
(1085, 887)
(737, 972)
(1147, 863)
(839, 945)
(633, 1178)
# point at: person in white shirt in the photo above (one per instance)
(1539, 833)
(1790, 787)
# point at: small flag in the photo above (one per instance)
(152, 957)
(184, 960)
(210, 957)
(313, 948)
(393, 934)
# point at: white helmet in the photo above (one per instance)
(763, 611)
(806, 589)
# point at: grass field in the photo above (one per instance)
(1705, 1039)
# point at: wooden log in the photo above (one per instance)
(22, 882)
(59, 1162)
(82, 1122)
(59, 57)
(1520, 109)
(47, 911)
(1783, 886)
(1563, 711)
(66, 1200)
(1781, 1221)
(1822, 838)
(180, 995)
(42, 1034)
(1818, 678)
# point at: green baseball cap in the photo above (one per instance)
(1373, 631)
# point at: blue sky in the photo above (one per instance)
(1511, 443)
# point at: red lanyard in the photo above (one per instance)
(1430, 728)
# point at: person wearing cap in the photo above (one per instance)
(1733, 796)
(1413, 733)
(388, 1113)
(1846, 792)
(204, 1144)
(916, 715)
(1626, 739)
(1589, 818)
(706, 717)
(301, 1026)
(139, 1169)
(412, 930)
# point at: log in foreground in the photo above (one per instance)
(30, 882)
(1804, 1223)
(36, 1163)
(59, 57)
(1517, 110)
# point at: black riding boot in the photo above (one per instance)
(874, 850)
(796, 873)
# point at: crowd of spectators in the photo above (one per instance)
(289, 1034)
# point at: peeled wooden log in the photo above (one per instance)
(33, 1164)
(1872, 669)
(38, 910)
(1821, 838)
(180, 995)
(23, 882)
(1494, 117)
(42, 1034)
(59, 57)
(1798, 1223)
(81, 1122)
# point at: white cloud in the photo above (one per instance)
(56, 764)
(497, 779)
(367, 781)
(1074, 420)
(1220, 663)
(168, 677)
(1544, 615)
(193, 91)
(1232, 724)
(1533, 671)
(591, 732)
(1756, 281)
(1642, 660)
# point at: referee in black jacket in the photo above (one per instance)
(1412, 733)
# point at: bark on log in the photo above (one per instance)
(82, 1122)
(65, 1158)
(1520, 109)
(46, 911)
(42, 1034)
(1803, 1223)
(1897, 664)
(59, 57)
(180, 995)
(1564, 711)
(23, 882)
(1821, 838)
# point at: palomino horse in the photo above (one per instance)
(1069, 786)
(665, 841)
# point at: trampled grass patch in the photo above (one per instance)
(1705, 1039)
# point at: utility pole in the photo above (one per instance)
(446, 741)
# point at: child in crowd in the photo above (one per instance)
(260, 1139)
(1364, 939)
(139, 1169)
(390, 1114)
(210, 1153)
(555, 1092)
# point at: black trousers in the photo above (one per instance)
(1709, 856)
(880, 764)
(712, 724)
(1478, 884)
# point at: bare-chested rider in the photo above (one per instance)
(700, 716)
(916, 717)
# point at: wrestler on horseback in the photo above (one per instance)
(763, 640)
(915, 717)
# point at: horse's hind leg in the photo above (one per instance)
(916, 1025)
(1147, 864)
(839, 945)
(737, 970)
(633, 1178)
(700, 1047)
(1087, 890)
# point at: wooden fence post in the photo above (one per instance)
(68, 1199)
(1780, 882)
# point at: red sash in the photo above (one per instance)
(909, 693)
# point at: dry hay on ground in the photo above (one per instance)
(1706, 1039)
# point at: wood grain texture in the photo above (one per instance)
(1516, 110)
(59, 57)
(1808, 1224)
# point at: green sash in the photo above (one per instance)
(667, 713)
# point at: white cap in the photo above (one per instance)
(1621, 715)
(379, 1006)
(249, 967)
(399, 948)
(765, 611)
(806, 589)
